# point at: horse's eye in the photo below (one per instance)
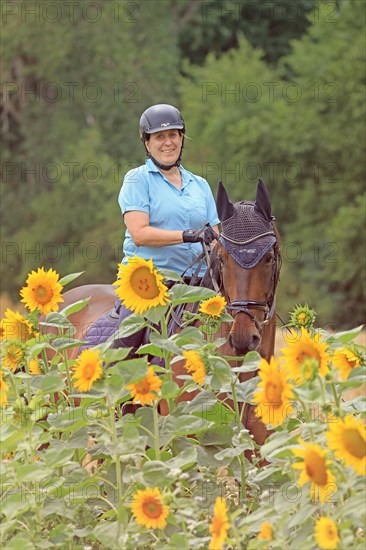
(269, 258)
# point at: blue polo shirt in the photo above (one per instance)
(146, 189)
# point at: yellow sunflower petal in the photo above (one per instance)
(14, 355)
(148, 508)
(219, 525)
(213, 306)
(43, 291)
(315, 469)
(194, 364)
(3, 391)
(265, 531)
(326, 534)
(140, 286)
(274, 393)
(15, 327)
(304, 355)
(345, 360)
(347, 438)
(145, 390)
(88, 369)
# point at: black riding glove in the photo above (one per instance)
(205, 234)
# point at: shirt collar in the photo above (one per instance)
(186, 176)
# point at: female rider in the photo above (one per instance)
(164, 206)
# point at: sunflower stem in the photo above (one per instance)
(243, 489)
(156, 430)
(168, 367)
(117, 455)
(66, 362)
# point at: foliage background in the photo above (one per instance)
(273, 89)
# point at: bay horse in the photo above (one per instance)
(244, 267)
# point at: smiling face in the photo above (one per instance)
(165, 146)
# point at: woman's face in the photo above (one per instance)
(165, 146)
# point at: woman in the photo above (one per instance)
(165, 207)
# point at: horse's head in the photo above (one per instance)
(246, 261)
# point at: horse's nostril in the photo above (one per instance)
(254, 343)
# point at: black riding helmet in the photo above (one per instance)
(157, 119)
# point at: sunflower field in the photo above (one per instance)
(80, 470)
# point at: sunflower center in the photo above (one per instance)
(144, 283)
(143, 387)
(152, 508)
(316, 468)
(352, 363)
(88, 371)
(331, 532)
(273, 393)
(42, 294)
(354, 443)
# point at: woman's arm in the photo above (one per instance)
(143, 234)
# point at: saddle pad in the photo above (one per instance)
(101, 330)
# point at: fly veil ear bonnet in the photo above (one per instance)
(247, 232)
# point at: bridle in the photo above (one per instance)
(245, 305)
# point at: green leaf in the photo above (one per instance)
(222, 373)
(114, 355)
(187, 424)
(232, 452)
(184, 460)
(75, 307)
(202, 402)
(169, 389)
(156, 473)
(58, 320)
(164, 343)
(170, 275)
(130, 325)
(131, 370)
(217, 435)
(348, 335)
(155, 314)
(107, 533)
(58, 456)
(189, 335)
(184, 294)
(31, 472)
(69, 278)
(19, 542)
(52, 383)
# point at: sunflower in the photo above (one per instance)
(305, 356)
(345, 360)
(13, 355)
(347, 438)
(266, 531)
(315, 468)
(195, 365)
(219, 525)
(43, 291)
(148, 508)
(34, 367)
(326, 534)
(145, 390)
(3, 391)
(213, 306)
(302, 316)
(140, 286)
(273, 397)
(88, 369)
(15, 327)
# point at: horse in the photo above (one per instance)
(244, 267)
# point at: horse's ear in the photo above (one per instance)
(225, 208)
(262, 203)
